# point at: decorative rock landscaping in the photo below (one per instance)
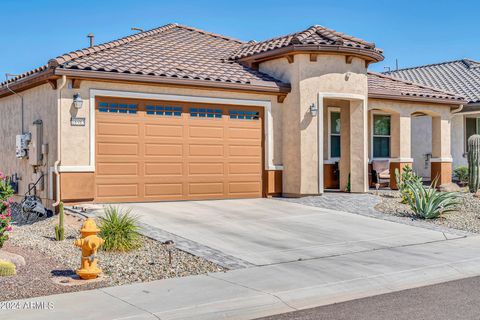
(47, 258)
(466, 217)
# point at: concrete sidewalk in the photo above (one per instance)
(265, 290)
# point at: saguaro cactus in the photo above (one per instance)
(60, 230)
(474, 163)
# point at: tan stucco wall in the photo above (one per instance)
(39, 103)
(75, 141)
(405, 138)
(329, 74)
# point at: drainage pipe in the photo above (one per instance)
(59, 140)
(457, 110)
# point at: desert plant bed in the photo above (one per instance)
(465, 217)
(47, 258)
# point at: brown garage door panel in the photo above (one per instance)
(117, 148)
(206, 168)
(163, 169)
(117, 129)
(117, 169)
(198, 152)
(117, 191)
(172, 191)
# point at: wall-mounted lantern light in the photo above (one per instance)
(77, 101)
(313, 110)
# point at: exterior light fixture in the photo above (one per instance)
(313, 110)
(77, 101)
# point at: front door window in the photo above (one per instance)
(334, 134)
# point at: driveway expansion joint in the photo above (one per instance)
(257, 290)
(130, 304)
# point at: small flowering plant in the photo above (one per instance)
(6, 193)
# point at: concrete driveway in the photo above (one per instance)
(266, 231)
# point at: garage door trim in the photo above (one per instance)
(266, 104)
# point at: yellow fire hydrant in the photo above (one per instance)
(89, 243)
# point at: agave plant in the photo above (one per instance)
(428, 203)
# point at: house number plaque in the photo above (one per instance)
(77, 122)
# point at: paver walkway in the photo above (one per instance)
(364, 204)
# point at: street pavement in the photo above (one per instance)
(455, 300)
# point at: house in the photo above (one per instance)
(177, 113)
(461, 77)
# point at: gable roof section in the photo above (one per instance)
(173, 52)
(316, 37)
(460, 76)
(382, 86)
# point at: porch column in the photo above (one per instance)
(344, 163)
(441, 161)
(400, 148)
(358, 146)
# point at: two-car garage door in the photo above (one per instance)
(162, 150)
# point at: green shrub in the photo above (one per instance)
(461, 173)
(119, 228)
(405, 180)
(7, 269)
(428, 203)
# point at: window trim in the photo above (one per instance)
(477, 129)
(329, 142)
(372, 135)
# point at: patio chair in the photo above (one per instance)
(381, 171)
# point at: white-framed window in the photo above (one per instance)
(381, 137)
(472, 126)
(334, 133)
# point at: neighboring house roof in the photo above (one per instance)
(460, 76)
(382, 86)
(172, 51)
(315, 37)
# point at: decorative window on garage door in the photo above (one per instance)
(244, 114)
(205, 113)
(117, 107)
(168, 111)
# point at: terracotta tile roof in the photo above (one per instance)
(171, 51)
(460, 76)
(315, 35)
(383, 85)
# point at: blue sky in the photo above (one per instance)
(414, 32)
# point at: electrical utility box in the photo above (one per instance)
(35, 156)
(21, 145)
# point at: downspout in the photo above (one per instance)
(457, 110)
(59, 139)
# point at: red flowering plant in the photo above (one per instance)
(6, 193)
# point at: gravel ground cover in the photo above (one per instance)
(466, 217)
(47, 258)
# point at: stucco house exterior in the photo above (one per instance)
(177, 113)
(461, 77)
